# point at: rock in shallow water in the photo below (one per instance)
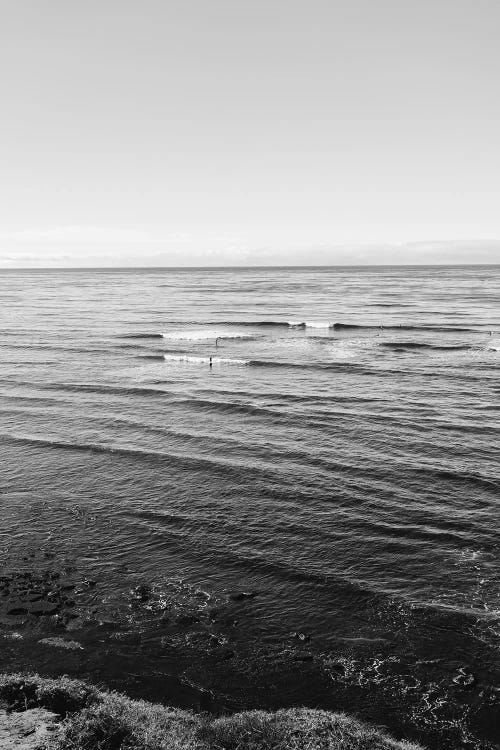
(129, 638)
(62, 643)
(43, 608)
(464, 678)
(242, 595)
(141, 593)
(303, 656)
(301, 636)
(17, 609)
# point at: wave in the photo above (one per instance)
(131, 346)
(422, 345)
(231, 407)
(465, 476)
(331, 581)
(214, 361)
(401, 327)
(217, 361)
(206, 334)
(140, 336)
(114, 390)
(333, 366)
(195, 462)
(389, 304)
(256, 323)
(319, 324)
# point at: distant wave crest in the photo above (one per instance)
(311, 323)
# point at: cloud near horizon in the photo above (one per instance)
(98, 246)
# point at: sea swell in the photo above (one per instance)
(322, 324)
(423, 345)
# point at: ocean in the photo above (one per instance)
(238, 488)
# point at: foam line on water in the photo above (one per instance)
(204, 335)
(191, 360)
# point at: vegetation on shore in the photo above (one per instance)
(95, 720)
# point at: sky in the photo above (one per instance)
(249, 132)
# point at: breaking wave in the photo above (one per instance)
(190, 360)
(321, 324)
(205, 335)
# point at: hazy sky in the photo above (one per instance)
(173, 132)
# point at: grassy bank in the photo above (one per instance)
(96, 720)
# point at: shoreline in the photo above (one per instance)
(39, 713)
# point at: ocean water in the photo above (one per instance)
(310, 518)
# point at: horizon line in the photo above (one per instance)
(247, 267)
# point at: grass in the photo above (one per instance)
(95, 720)
(297, 729)
(63, 696)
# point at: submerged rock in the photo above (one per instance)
(71, 621)
(186, 620)
(40, 609)
(303, 656)
(13, 621)
(242, 595)
(337, 669)
(107, 624)
(33, 593)
(141, 593)
(129, 638)
(17, 609)
(62, 643)
(464, 678)
(301, 636)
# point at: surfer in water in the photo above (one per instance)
(210, 363)
(216, 341)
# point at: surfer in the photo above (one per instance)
(210, 362)
(216, 341)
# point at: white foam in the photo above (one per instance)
(322, 324)
(318, 324)
(189, 360)
(204, 335)
(494, 345)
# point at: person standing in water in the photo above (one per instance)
(210, 362)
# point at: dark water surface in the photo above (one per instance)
(312, 521)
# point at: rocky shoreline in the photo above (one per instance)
(185, 644)
(53, 714)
